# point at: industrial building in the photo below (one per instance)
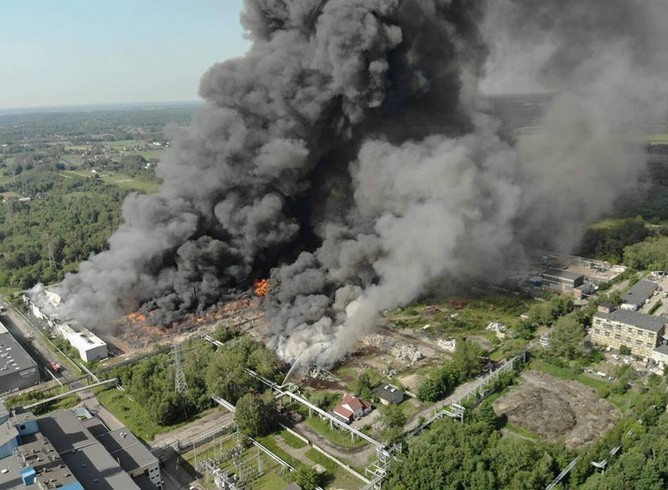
(639, 332)
(561, 280)
(635, 297)
(59, 451)
(44, 303)
(90, 346)
(17, 369)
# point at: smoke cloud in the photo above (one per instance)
(350, 156)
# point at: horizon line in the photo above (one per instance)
(92, 105)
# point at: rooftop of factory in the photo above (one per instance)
(90, 462)
(572, 276)
(79, 336)
(640, 291)
(12, 356)
(38, 453)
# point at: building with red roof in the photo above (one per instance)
(351, 408)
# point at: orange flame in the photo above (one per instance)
(262, 287)
(137, 317)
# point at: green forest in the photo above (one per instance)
(476, 455)
(208, 370)
(47, 236)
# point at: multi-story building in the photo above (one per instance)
(639, 332)
(561, 280)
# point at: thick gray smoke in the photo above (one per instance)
(350, 154)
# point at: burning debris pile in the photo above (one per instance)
(350, 156)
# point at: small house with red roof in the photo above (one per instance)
(351, 408)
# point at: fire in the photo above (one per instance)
(137, 317)
(262, 287)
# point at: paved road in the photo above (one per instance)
(23, 329)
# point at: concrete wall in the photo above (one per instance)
(17, 380)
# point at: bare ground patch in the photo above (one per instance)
(557, 409)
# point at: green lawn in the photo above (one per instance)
(291, 440)
(134, 416)
(119, 180)
(568, 374)
(152, 154)
(342, 477)
(270, 443)
(337, 436)
(270, 481)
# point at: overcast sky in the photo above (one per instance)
(72, 52)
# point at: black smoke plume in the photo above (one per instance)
(350, 156)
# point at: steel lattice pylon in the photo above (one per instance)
(179, 378)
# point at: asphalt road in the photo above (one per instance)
(31, 338)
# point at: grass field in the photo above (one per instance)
(133, 415)
(521, 431)
(151, 154)
(340, 437)
(291, 440)
(658, 138)
(119, 180)
(342, 478)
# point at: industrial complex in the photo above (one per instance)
(89, 346)
(72, 450)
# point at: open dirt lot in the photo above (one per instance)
(557, 409)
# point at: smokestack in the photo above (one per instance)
(351, 155)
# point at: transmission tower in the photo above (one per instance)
(179, 377)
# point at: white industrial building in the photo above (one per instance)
(90, 346)
(43, 304)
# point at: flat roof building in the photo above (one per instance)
(561, 280)
(639, 332)
(59, 451)
(90, 346)
(17, 369)
(389, 395)
(635, 297)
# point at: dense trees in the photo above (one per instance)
(474, 456)
(607, 240)
(207, 371)
(567, 341)
(465, 363)
(42, 239)
(307, 478)
(392, 419)
(546, 313)
(255, 414)
(651, 254)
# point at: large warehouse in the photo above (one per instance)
(17, 369)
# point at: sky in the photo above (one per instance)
(76, 52)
